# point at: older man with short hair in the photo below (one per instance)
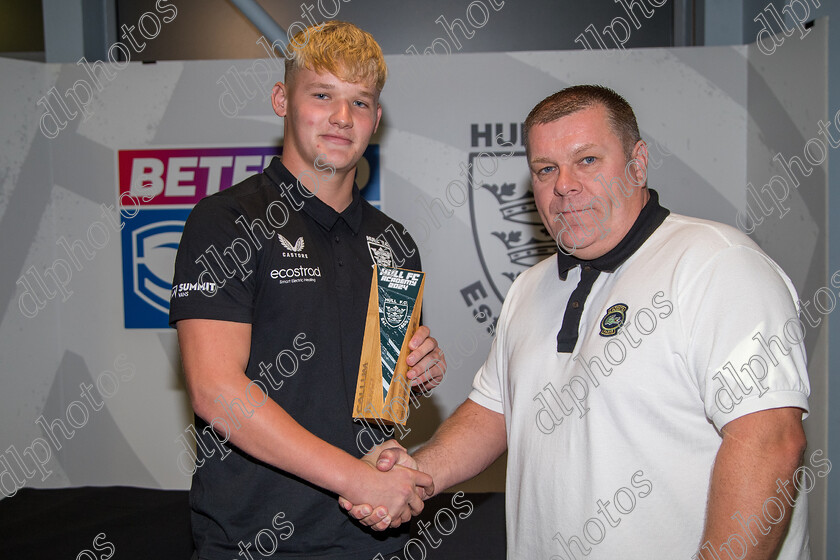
(643, 379)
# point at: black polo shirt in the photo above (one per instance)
(269, 253)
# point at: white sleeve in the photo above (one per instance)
(492, 376)
(487, 382)
(743, 336)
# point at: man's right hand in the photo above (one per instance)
(463, 446)
(385, 457)
(399, 492)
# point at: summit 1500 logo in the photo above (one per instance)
(157, 189)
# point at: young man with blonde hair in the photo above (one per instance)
(271, 348)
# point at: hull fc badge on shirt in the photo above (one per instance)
(380, 252)
(612, 321)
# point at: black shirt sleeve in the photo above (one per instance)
(215, 265)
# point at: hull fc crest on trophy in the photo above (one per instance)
(382, 389)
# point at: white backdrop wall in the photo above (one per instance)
(713, 117)
(787, 98)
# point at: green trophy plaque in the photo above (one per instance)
(393, 315)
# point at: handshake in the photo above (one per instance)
(395, 492)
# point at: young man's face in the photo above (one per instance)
(328, 120)
(572, 161)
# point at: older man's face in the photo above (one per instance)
(587, 193)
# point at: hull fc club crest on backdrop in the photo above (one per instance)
(156, 190)
(507, 230)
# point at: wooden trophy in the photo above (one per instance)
(393, 315)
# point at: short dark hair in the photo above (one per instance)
(576, 98)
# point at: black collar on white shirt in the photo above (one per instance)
(650, 218)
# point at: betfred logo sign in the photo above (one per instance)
(185, 176)
(157, 189)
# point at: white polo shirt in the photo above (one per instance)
(611, 444)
